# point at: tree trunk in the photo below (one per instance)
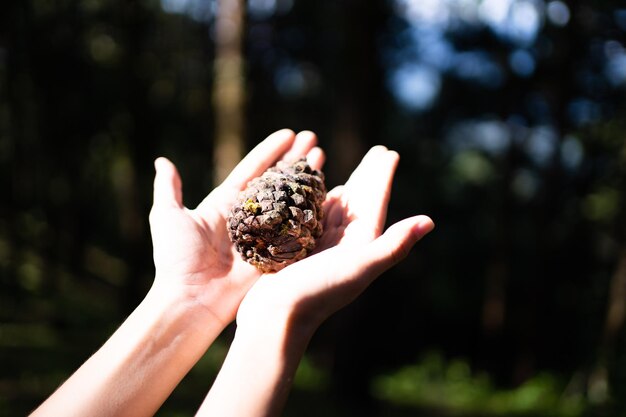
(228, 91)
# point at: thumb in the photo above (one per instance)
(167, 184)
(395, 244)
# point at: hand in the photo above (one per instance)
(351, 253)
(281, 311)
(192, 252)
(200, 281)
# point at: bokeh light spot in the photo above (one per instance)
(558, 13)
(415, 86)
(522, 63)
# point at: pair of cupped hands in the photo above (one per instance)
(194, 257)
(202, 284)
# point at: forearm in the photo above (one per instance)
(139, 366)
(258, 372)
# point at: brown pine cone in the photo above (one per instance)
(278, 217)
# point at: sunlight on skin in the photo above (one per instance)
(355, 214)
(194, 243)
(282, 310)
(200, 281)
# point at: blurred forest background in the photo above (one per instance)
(510, 119)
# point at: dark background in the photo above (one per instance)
(509, 117)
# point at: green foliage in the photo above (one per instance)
(450, 388)
(472, 167)
(602, 205)
(310, 377)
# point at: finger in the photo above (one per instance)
(395, 244)
(349, 271)
(366, 163)
(333, 207)
(264, 155)
(167, 184)
(303, 143)
(369, 188)
(316, 158)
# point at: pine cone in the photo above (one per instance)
(278, 217)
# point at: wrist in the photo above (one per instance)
(182, 311)
(267, 349)
(278, 327)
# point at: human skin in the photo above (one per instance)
(199, 283)
(281, 311)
